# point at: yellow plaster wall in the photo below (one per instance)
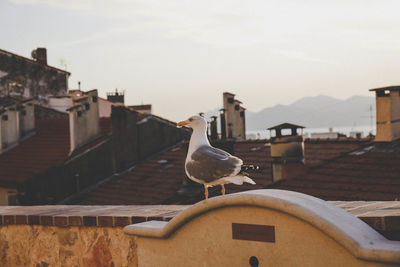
(383, 118)
(24, 245)
(4, 195)
(395, 114)
(207, 241)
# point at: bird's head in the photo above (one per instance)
(193, 122)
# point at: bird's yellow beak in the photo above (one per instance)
(182, 123)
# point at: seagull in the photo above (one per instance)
(208, 165)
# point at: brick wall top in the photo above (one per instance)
(102, 216)
(381, 215)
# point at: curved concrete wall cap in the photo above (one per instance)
(353, 234)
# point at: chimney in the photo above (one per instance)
(234, 122)
(240, 121)
(287, 151)
(213, 128)
(229, 107)
(40, 55)
(17, 119)
(9, 126)
(84, 120)
(387, 113)
(26, 117)
(116, 97)
(223, 123)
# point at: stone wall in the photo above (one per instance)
(269, 227)
(87, 236)
(42, 246)
(69, 235)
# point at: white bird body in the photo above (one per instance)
(208, 165)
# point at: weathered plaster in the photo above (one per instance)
(4, 191)
(308, 231)
(39, 246)
(25, 77)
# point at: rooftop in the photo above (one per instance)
(33, 61)
(48, 147)
(158, 180)
(286, 126)
(369, 173)
(390, 88)
(9, 101)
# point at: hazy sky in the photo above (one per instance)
(181, 55)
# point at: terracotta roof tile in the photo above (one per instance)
(48, 147)
(369, 176)
(156, 183)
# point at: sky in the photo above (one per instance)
(180, 56)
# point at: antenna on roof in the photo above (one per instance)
(371, 118)
(79, 85)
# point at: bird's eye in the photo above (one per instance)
(190, 119)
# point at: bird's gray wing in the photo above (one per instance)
(209, 163)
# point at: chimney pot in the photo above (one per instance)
(40, 55)
(84, 121)
(287, 152)
(234, 117)
(387, 113)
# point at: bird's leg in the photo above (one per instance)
(222, 189)
(205, 191)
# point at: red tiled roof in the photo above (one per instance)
(369, 176)
(48, 147)
(157, 180)
(153, 182)
(317, 151)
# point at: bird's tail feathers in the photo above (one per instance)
(248, 180)
(250, 167)
(239, 179)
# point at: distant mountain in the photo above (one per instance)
(312, 112)
(215, 112)
(315, 101)
(316, 112)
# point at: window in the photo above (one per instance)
(237, 107)
(4, 117)
(79, 113)
(230, 100)
(383, 93)
(87, 106)
(23, 112)
(94, 98)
